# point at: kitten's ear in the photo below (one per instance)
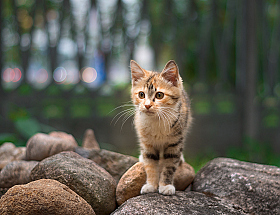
(171, 72)
(136, 71)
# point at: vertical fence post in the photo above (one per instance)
(3, 118)
(251, 115)
(1, 26)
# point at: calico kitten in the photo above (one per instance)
(162, 120)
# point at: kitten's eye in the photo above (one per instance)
(141, 95)
(159, 95)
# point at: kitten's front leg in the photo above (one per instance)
(170, 164)
(151, 164)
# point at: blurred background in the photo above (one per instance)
(65, 66)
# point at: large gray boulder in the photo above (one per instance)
(180, 203)
(254, 188)
(114, 163)
(83, 176)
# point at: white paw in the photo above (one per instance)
(182, 158)
(167, 190)
(148, 188)
(141, 158)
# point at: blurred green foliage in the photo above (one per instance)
(8, 137)
(255, 151)
(198, 161)
(251, 151)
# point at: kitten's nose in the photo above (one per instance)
(148, 106)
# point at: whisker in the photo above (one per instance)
(131, 113)
(158, 113)
(166, 120)
(125, 105)
(117, 115)
(175, 118)
(120, 114)
(170, 115)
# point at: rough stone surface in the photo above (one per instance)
(180, 203)
(41, 146)
(9, 152)
(63, 135)
(132, 181)
(114, 163)
(252, 187)
(89, 140)
(43, 197)
(83, 176)
(16, 172)
(184, 176)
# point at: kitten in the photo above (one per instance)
(162, 120)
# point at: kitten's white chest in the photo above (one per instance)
(152, 128)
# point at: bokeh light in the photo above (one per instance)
(12, 75)
(88, 74)
(17, 76)
(42, 76)
(60, 74)
(38, 75)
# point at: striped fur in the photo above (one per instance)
(161, 123)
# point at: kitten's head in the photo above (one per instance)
(154, 93)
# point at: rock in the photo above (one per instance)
(252, 187)
(63, 135)
(83, 176)
(132, 181)
(180, 203)
(41, 146)
(16, 172)
(114, 163)
(89, 140)
(184, 176)
(44, 196)
(9, 152)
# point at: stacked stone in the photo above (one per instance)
(53, 175)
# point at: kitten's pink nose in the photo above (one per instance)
(148, 106)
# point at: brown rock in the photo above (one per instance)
(9, 152)
(83, 176)
(41, 146)
(89, 141)
(63, 135)
(184, 176)
(41, 197)
(16, 172)
(132, 181)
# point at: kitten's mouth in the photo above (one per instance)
(148, 112)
